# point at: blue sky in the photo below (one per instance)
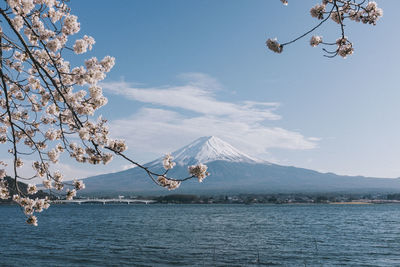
(186, 69)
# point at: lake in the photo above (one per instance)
(203, 235)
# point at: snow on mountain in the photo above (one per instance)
(207, 149)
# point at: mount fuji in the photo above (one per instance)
(232, 171)
(207, 149)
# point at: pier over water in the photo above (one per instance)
(104, 201)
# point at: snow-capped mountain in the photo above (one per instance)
(232, 172)
(207, 149)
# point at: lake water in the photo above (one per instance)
(203, 235)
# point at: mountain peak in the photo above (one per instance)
(211, 137)
(210, 148)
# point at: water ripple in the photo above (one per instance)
(203, 235)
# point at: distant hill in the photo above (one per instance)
(234, 172)
(23, 188)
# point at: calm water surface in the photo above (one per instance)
(203, 235)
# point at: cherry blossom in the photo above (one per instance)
(49, 106)
(338, 11)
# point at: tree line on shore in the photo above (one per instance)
(283, 198)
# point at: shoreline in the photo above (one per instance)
(245, 204)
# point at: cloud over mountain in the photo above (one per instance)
(171, 116)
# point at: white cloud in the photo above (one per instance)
(193, 97)
(160, 131)
(314, 139)
(200, 80)
(180, 114)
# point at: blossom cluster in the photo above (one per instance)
(199, 171)
(315, 40)
(167, 162)
(168, 183)
(4, 192)
(47, 104)
(30, 206)
(344, 47)
(366, 12)
(273, 45)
